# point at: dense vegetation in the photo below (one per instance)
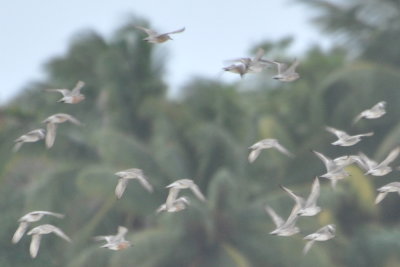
(204, 135)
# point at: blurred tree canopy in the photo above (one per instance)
(204, 135)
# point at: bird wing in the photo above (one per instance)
(254, 155)
(195, 189)
(364, 162)
(292, 67)
(340, 134)
(77, 88)
(281, 66)
(391, 157)
(146, 30)
(107, 238)
(314, 194)
(58, 215)
(365, 134)
(73, 120)
(61, 234)
(121, 186)
(19, 232)
(177, 31)
(35, 243)
(291, 220)
(308, 246)
(34, 134)
(299, 200)
(275, 217)
(161, 208)
(121, 232)
(50, 134)
(326, 160)
(172, 195)
(282, 149)
(380, 197)
(260, 52)
(145, 183)
(64, 92)
(17, 146)
(358, 117)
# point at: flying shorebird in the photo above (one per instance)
(265, 144)
(73, 96)
(388, 188)
(126, 175)
(375, 112)
(335, 168)
(323, 234)
(28, 218)
(285, 73)
(178, 185)
(344, 139)
(156, 38)
(283, 228)
(32, 136)
(52, 127)
(115, 242)
(176, 205)
(378, 169)
(307, 207)
(247, 64)
(40, 230)
(240, 69)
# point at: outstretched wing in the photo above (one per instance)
(19, 232)
(121, 186)
(145, 183)
(177, 31)
(73, 120)
(327, 161)
(391, 157)
(292, 67)
(358, 117)
(148, 31)
(308, 246)
(259, 54)
(380, 197)
(34, 247)
(172, 195)
(314, 194)
(61, 234)
(58, 215)
(64, 92)
(254, 155)
(340, 134)
(283, 149)
(275, 217)
(195, 189)
(17, 146)
(78, 87)
(299, 200)
(50, 134)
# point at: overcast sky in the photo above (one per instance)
(216, 30)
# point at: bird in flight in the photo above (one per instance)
(155, 37)
(73, 96)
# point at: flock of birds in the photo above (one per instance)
(335, 171)
(335, 168)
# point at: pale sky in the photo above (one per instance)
(216, 30)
